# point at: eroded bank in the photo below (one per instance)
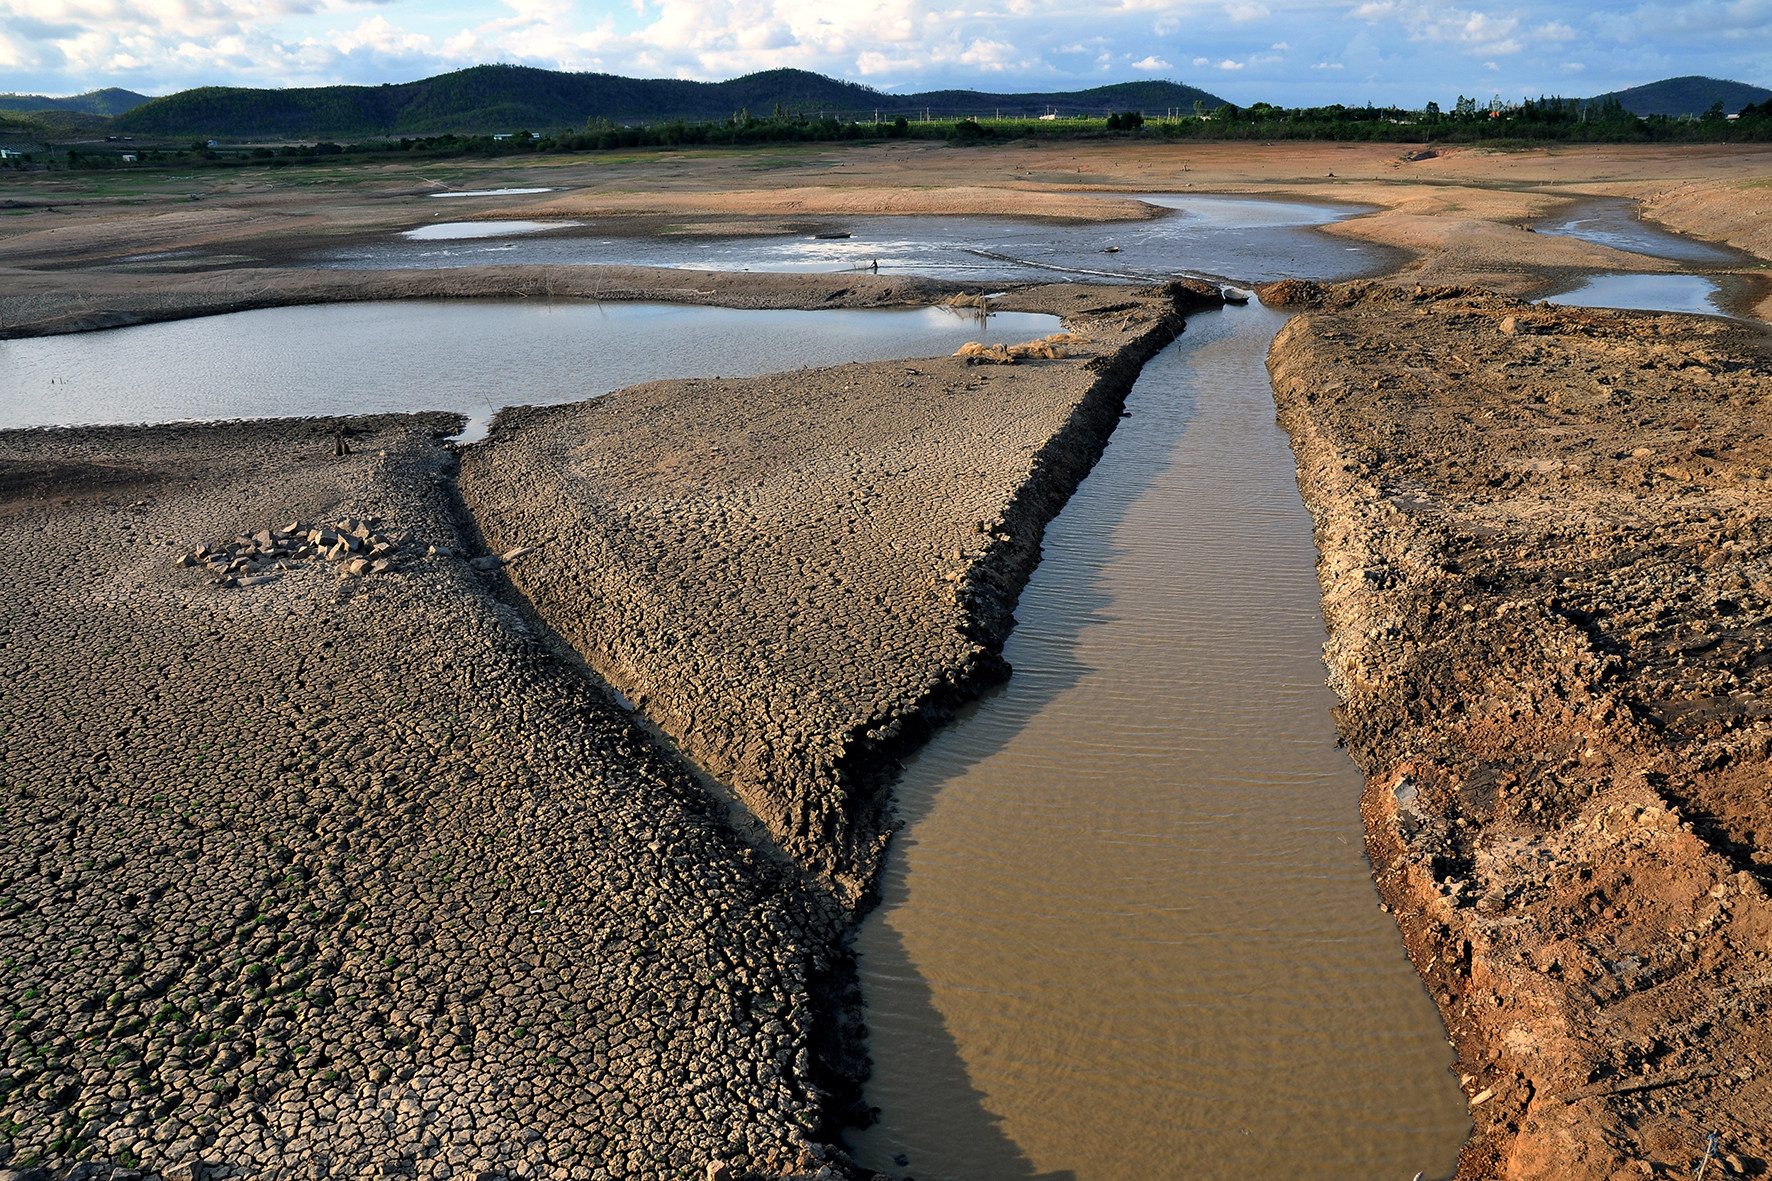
(1545, 569)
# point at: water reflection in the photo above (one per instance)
(470, 356)
(1648, 293)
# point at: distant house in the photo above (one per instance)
(503, 135)
(129, 157)
(8, 154)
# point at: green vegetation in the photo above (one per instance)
(110, 101)
(502, 98)
(1691, 95)
(1555, 120)
(1547, 120)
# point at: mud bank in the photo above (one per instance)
(338, 877)
(1545, 544)
(798, 576)
(40, 303)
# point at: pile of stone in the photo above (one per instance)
(356, 547)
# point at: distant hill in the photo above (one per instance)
(510, 98)
(1692, 95)
(109, 101)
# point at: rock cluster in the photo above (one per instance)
(797, 576)
(348, 877)
(1546, 560)
(355, 547)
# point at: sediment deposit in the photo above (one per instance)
(338, 876)
(1546, 562)
(797, 576)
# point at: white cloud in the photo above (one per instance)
(1397, 50)
(1426, 20)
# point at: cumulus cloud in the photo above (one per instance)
(1153, 62)
(1247, 10)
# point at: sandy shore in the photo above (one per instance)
(1547, 576)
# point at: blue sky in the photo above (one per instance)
(1293, 52)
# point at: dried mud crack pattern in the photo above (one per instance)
(798, 576)
(1546, 561)
(331, 877)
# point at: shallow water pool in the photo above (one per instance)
(470, 356)
(456, 231)
(1616, 224)
(1648, 293)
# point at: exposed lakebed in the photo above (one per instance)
(1240, 238)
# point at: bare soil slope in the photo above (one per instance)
(1546, 560)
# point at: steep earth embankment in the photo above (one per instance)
(798, 576)
(1546, 561)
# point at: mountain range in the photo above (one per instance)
(1691, 95)
(509, 98)
(110, 101)
(496, 98)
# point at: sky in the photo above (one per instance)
(1292, 52)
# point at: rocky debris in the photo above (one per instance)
(1546, 561)
(798, 576)
(357, 548)
(362, 882)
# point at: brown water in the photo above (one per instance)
(1128, 929)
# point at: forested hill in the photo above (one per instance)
(109, 101)
(509, 98)
(1691, 95)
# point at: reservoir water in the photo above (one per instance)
(1128, 928)
(471, 356)
(1249, 240)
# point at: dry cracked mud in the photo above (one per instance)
(336, 876)
(1545, 542)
